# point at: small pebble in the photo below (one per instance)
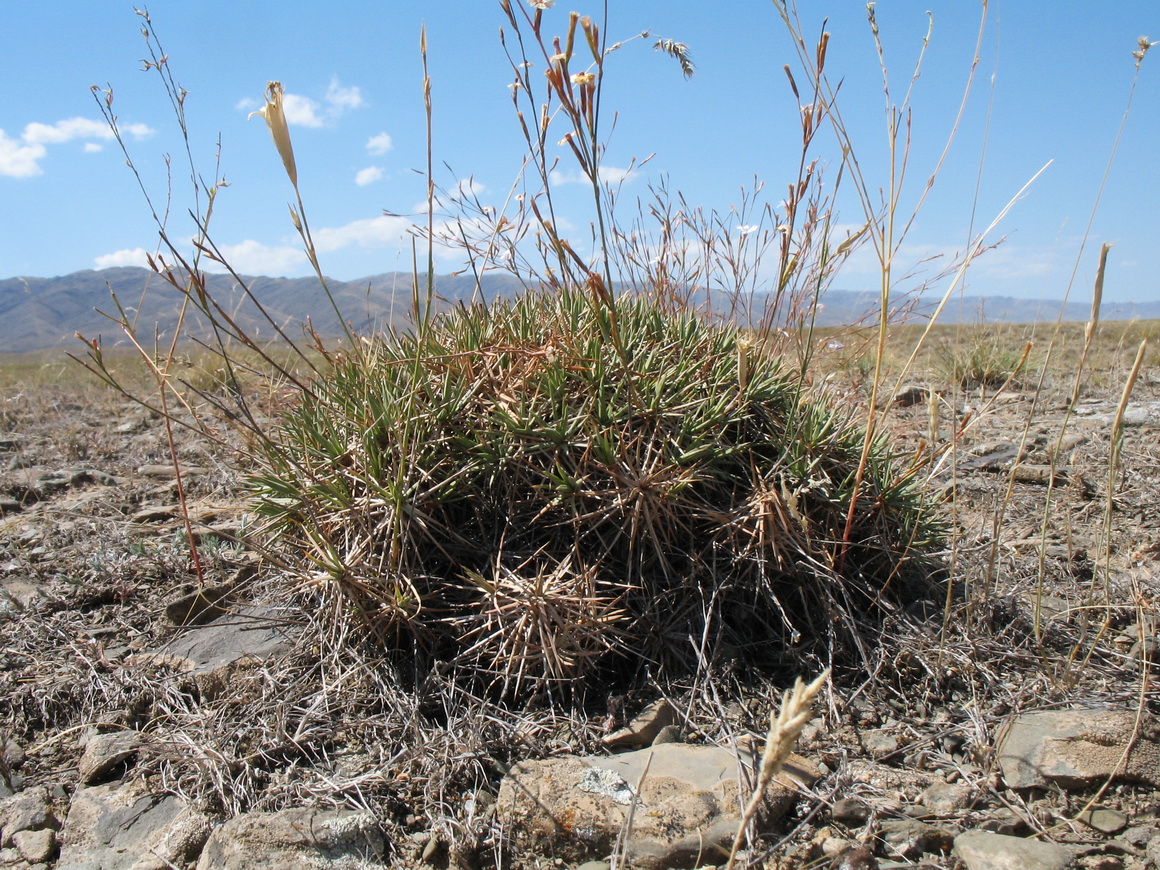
(1104, 820)
(880, 743)
(850, 811)
(1140, 835)
(858, 858)
(429, 850)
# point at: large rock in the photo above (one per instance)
(685, 814)
(307, 838)
(123, 826)
(1074, 748)
(105, 753)
(30, 810)
(981, 850)
(215, 655)
(35, 847)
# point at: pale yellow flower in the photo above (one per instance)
(583, 78)
(276, 120)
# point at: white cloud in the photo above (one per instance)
(380, 143)
(92, 148)
(368, 176)
(248, 257)
(18, 160)
(608, 175)
(251, 257)
(343, 98)
(306, 112)
(301, 110)
(376, 232)
(468, 188)
(78, 128)
(912, 264)
(138, 131)
(616, 175)
(1018, 261)
(124, 257)
(1006, 270)
(62, 131)
(254, 258)
(247, 104)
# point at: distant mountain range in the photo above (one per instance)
(39, 313)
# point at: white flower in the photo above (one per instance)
(542, 4)
(276, 120)
(746, 229)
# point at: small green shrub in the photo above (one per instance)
(561, 486)
(985, 361)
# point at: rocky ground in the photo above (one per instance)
(149, 718)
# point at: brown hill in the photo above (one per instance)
(38, 313)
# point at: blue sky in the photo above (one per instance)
(1052, 84)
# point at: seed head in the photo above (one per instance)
(276, 120)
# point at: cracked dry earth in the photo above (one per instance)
(147, 723)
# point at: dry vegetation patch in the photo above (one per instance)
(1040, 613)
(500, 533)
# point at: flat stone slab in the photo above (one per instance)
(318, 839)
(122, 826)
(1075, 748)
(212, 654)
(167, 472)
(992, 459)
(680, 804)
(982, 850)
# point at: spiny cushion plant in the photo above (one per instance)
(568, 486)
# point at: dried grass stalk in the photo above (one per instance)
(784, 728)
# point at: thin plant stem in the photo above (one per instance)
(785, 726)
